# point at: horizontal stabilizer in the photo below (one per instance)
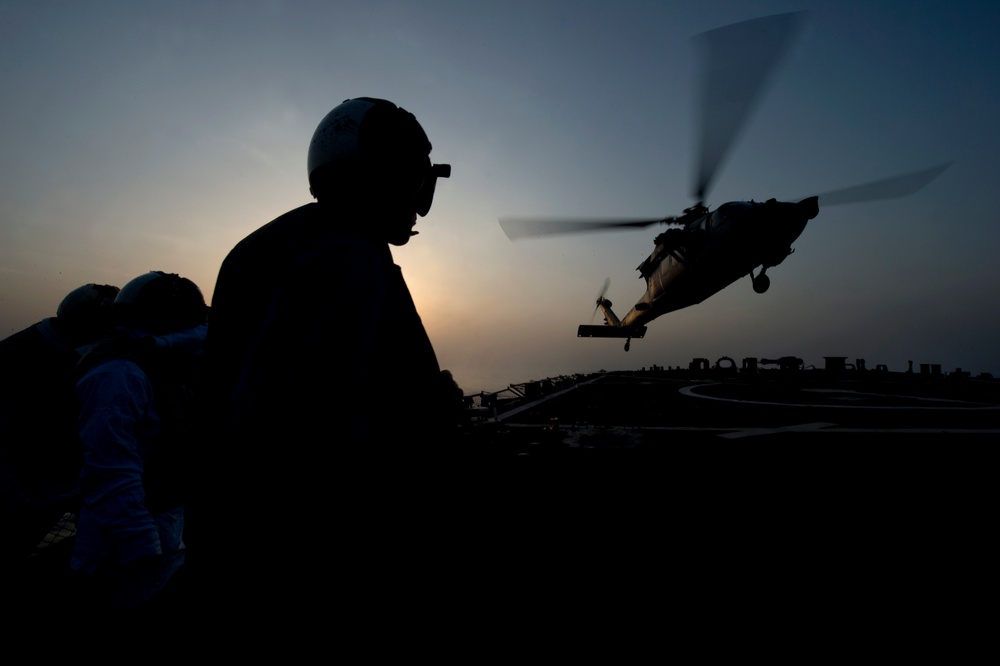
(604, 331)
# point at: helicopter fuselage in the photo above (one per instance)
(709, 253)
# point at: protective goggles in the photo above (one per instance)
(425, 194)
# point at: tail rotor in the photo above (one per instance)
(600, 298)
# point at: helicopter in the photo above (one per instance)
(706, 250)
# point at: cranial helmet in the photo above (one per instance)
(371, 145)
(86, 312)
(160, 302)
(88, 301)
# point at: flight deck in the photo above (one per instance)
(654, 411)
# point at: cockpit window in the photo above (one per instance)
(726, 212)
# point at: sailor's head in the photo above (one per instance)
(373, 158)
(160, 303)
(86, 312)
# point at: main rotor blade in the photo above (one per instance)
(887, 188)
(524, 227)
(740, 59)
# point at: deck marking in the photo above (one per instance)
(690, 392)
(738, 432)
(753, 432)
(883, 395)
(518, 410)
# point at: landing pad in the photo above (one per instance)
(653, 412)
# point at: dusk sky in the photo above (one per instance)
(141, 135)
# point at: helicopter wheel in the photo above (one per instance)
(761, 283)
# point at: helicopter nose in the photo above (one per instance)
(788, 220)
(809, 207)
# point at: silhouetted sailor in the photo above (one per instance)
(319, 359)
(134, 390)
(39, 454)
(314, 337)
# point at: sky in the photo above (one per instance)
(148, 135)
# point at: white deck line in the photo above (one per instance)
(518, 410)
(690, 392)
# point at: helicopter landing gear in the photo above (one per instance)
(761, 282)
(628, 344)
